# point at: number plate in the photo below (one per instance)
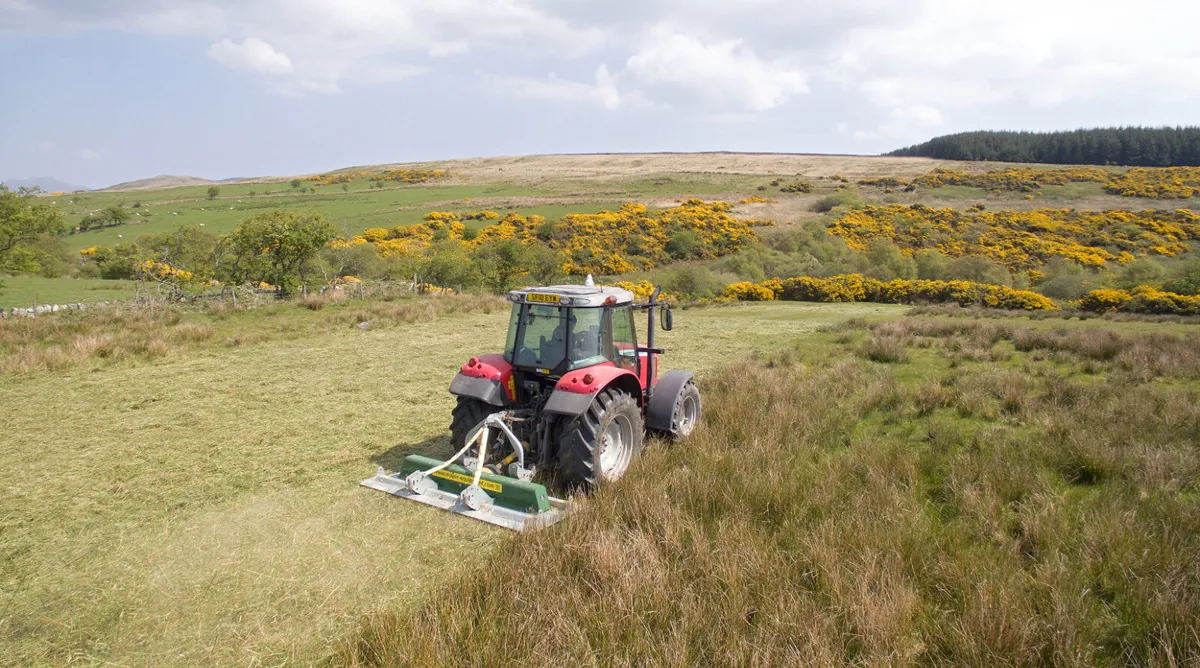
(541, 298)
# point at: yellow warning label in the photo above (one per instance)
(486, 485)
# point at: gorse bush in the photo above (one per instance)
(398, 175)
(1143, 299)
(610, 242)
(1024, 239)
(1149, 182)
(857, 288)
(1164, 183)
(1016, 179)
(797, 187)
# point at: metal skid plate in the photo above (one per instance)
(492, 514)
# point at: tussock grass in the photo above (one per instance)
(1138, 356)
(851, 512)
(957, 311)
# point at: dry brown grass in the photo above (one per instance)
(599, 167)
(132, 335)
(857, 513)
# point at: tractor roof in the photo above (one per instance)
(572, 295)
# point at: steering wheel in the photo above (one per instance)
(583, 341)
(526, 356)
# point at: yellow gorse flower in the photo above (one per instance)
(858, 288)
(1023, 239)
(610, 242)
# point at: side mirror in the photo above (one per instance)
(666, 320)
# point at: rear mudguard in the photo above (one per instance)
(489, 380)
(661, 411)
(572, 395)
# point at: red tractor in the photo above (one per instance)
(569, 399)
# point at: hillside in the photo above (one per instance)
(160, 182)
(795, 202)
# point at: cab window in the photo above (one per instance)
(543, 343)
(624, 339)
(585, 349)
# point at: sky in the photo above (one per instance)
(97, 92)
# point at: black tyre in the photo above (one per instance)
(686, 415)
(599, 445)
(467, 413)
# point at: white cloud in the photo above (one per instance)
(252, 54)
(945, 53)
(443, 49)
(916, 114)
(88, 154)
(724, 72)
(603, 92)
(933, 60)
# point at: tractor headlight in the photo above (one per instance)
(514, 297)
(565, 301)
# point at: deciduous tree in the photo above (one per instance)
(273, 247)
(23, 221)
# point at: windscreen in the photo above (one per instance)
(549, 337)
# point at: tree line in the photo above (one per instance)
(1131, 146)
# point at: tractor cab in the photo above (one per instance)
(561, 328)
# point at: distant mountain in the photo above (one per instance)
(48, 184)
(164, 181)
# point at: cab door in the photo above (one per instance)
(623, 351)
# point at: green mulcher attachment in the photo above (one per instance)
(514, 502)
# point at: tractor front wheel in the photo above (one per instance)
(599, 445)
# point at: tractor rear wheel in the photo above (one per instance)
(467, 413)
(599, 445)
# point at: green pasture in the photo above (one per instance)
(25, 291)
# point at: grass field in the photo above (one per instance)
(181, 487)
(202, 506)
(26, 291)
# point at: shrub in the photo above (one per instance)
(1023, 240)
(830, 202)
(609, 242)
(857, 288)
(746, 291)
(1143, 299)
